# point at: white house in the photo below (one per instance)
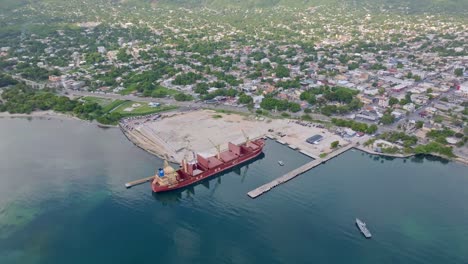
(153, 104)
(463, 89)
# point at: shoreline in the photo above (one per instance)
(61, 116)
(139, 143)
(49, 114)
(404, 156)
(41, 115)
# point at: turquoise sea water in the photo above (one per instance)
(62, 200)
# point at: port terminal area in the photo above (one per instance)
(178, 135)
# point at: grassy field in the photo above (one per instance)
(101, 101)
(112, 105)
(107, 104)
(161, 89)
(143, 109)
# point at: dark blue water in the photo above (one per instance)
(62, 200)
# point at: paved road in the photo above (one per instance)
(167, 101)
(183, 105)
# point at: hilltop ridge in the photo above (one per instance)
(412, 6)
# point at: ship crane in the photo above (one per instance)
(166, 162)
(185, 160)
(218, 149)
(247, 139)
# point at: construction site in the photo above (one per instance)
(181, 135)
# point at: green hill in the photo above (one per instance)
(246, 3)
(412, 6)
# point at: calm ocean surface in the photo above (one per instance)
(63, 201)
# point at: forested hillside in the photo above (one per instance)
(413, 6)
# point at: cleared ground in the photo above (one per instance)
(142, 108)
(180, 134)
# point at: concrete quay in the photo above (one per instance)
(138, 182)
(296, 172)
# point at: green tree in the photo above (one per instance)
(408, 97)
(123, 56)
(231, 92)
(245, 99)
(294, 107)
(458, 72)
(387, 119)
(201, 88)
(393, 101)
(372, 129)
(183, 97)
(187, 78)
(159, 93)
(334, 144)
(281, 71)
(270, 103)
(94, 57)
(419, 124)
(6, 80)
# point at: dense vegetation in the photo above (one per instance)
(187, 78)
(440, 135)
(413, 5)
(344, 99)
(35, 73)
(400, 137)
(356, 126)
(23, 99)
(434, 147)
(270, 103)
(6, 80)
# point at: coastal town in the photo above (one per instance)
(406, 85)
(247, 131)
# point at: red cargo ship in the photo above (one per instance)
(168, 179)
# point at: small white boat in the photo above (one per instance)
(363, 228)
(280, 162)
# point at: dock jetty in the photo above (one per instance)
(138, 182)
(296, 172)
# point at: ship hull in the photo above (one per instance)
(190, 180)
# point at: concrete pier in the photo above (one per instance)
(309, 154)
(138, 182)
(294, 173)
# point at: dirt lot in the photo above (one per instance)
(198, 131)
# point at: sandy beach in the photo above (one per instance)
(45, 115)
(40, 114)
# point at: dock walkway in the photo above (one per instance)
(296, 172)
(138, 182)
